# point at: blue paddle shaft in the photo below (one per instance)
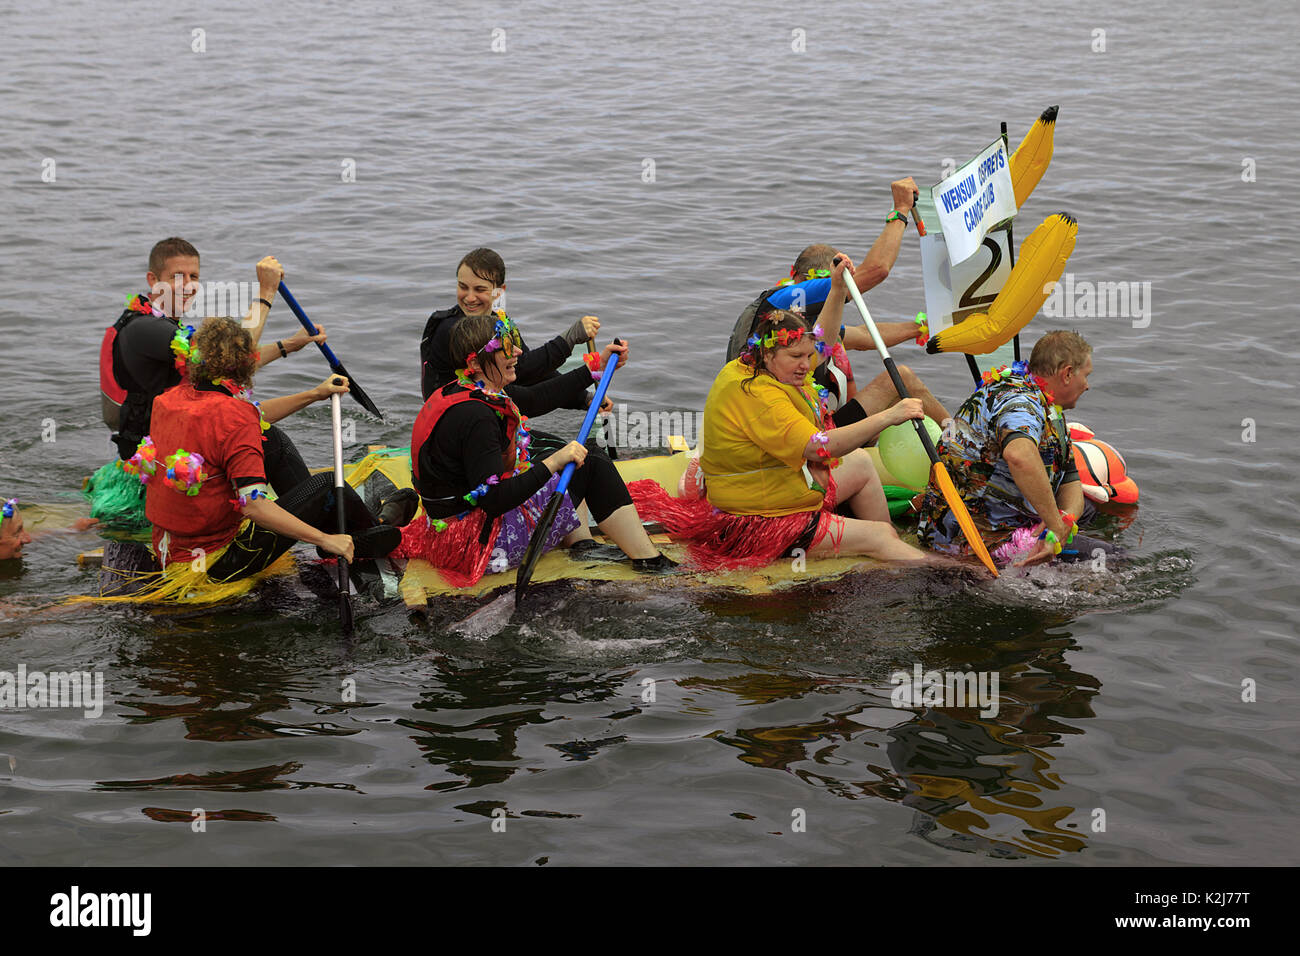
(296, 309)
(601, 388)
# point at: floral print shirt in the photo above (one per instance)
(1010, 407)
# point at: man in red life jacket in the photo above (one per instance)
(141, 353)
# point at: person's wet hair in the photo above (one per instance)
(485, 264)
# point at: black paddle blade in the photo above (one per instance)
(345, 599)
(357, 392)
(535, 547)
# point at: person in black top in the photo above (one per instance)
(480, 280)
(143, 352)
(482, 485)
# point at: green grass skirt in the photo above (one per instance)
(116, 499)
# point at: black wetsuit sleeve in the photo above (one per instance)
(426, 358)
(435, 353)
(467, 448)
(536, 365)
(147, 354)
(560, 391)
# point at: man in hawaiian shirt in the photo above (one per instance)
(1010, 457)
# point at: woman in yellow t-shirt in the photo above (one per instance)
(774, 462)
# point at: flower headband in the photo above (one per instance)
(503, 330)
(810, 274)
(8, 509)
(776, 337)
(784, 337)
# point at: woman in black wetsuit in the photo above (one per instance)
(482, 486)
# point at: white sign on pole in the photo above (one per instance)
(955, 291)
(974, 199)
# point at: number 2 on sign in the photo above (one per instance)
(970, 303)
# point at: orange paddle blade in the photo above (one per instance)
(944, 482)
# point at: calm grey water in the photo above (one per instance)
(1120, 692)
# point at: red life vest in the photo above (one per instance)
(113, 391)
(109, 386)
(123, 402)
(462, 550)
(437, 406)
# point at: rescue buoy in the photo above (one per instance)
(1102, 469)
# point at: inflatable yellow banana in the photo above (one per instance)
(1030, 160)
(1041, 261)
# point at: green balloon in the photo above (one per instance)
(903, 454)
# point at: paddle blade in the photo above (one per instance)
(535, 546)
(941, 478)
(356, 391)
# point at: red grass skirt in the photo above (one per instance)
(717, 539)
(455, 552)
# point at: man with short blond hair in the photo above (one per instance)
(1010, 457)
(140, 357)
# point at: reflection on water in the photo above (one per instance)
(561, 688)
(484, 750)
(986, 779)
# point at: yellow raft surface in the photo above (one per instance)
(383, 469)
(421, 581)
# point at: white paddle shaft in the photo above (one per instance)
(337, 423)
(866, 316)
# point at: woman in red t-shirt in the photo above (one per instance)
(207, 487)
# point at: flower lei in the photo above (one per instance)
(245, 394)
(183, 470)
(141, 464)
(182, 347)
(180, 343)
(140, 303)
(522, 441)
(822, 413)
(8, 510)
(922, 328)
(1021, 370)
(818, 332)
(811, 274)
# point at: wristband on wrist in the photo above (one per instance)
(896, 215)
(264, 302)
(250, 493)
(922, 328)
(283, 353)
